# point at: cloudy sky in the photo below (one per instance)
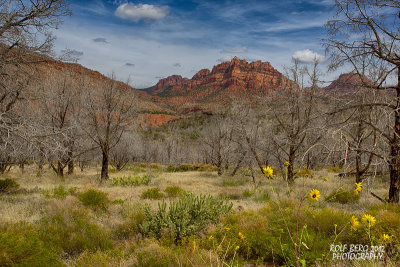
(149, 40)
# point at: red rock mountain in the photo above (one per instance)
(348, 83)
(236, 78)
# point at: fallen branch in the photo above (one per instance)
(381, 199)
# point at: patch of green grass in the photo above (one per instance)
(152, 193)
(20, 245)
(174, 191)
(131, 181)
(60, 192)
(72, 231)
(234, 182)
(94, 199)
(342, 196)
(8, 185)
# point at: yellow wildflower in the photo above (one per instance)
(368, 220)
(358, 188)
(326, 179)
(227, 228)
(286, 163)
(314, 195)
(268, 171)
(237, 248)
(354, 223)
(386, 239)
(241, 236)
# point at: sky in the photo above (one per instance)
(144, 41)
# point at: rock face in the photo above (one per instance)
(348, 83)
(236, 78)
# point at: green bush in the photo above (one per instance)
(20, 245)
(174, 191)
(188, 216)
(131, 181)
(94, 199)
(342, 196)
(60, 192)
(8, 185)
(133, 216)
(247, 193)
(334, 169)
(72, 231)
(152, 193)
(269, 234)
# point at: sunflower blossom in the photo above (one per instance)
(368, 220)
(358, 188)
(354, 223)
(386, 239)
(268, 171)
(241, 236)
(286, 163)
(314, 195)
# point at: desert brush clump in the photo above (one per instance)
(72, 230)
(8, 185)
(60, 192)
(190, 215)
(152, 193)
(342, 196)
(174, 191)
(21, 245)
(95, 199)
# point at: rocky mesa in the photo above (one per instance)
(236, 78)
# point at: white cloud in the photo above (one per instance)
(307, 56)
(141, 12)
(234, 50)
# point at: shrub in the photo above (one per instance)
(262, 196)
(269, 234)
(334, 169)
(247, 193)
(152, 193)
(133, 216)
(186, 217)
(131, 181)
(174, 191)
(60, 192)
(191, 167)
(94, 199)
(8, 185)
(20, 245)
(342, 196)
(72, 231)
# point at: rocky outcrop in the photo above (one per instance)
(236, 78)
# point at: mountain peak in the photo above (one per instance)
(235, 78)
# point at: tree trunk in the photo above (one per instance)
(290, 172)
(394, 166)
(70, 163)
(104, 166)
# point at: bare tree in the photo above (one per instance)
(365, 34)
(109, 110)
(294, 114)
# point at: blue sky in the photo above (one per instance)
(149, 40)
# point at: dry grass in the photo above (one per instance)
(27, 206)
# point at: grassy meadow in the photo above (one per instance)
(153, 215)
